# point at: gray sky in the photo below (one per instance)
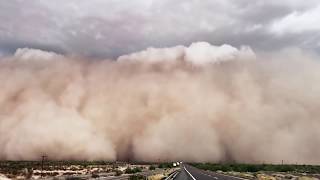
(110, 28)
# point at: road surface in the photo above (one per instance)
(188, 172)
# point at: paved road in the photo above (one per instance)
(191, 173)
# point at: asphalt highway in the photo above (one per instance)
(188, 172)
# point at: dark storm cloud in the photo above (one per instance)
(105, 29)
(9, 46)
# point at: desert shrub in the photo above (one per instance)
(132, 170)
(258, 167)
(95, 175)
(74, 178)
(136, 177)
(118, 173)
(165, 165)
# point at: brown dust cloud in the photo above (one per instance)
(201, 103)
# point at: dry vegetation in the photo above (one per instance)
(265, 171)
(80, 169)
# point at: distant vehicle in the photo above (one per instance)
(174, 164)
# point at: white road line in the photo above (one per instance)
(174, 176)
(189, 173)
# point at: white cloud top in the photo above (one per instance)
(200, 53)
(35, 54)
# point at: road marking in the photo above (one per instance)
(172, 176)
(189, 173)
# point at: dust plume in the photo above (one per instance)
(200, 103)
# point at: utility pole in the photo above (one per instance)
(42, 161)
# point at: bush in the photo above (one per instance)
(165, 165)
(74, 178)
(119, 173)
(95, 176)
(258, 167)
(136, 177)
(132, 171)
(152, 168)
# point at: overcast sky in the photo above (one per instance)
(110, 28)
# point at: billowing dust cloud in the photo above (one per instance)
(199, 103)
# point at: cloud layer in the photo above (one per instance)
(158, 105)
(105, 29)
(200, 53)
